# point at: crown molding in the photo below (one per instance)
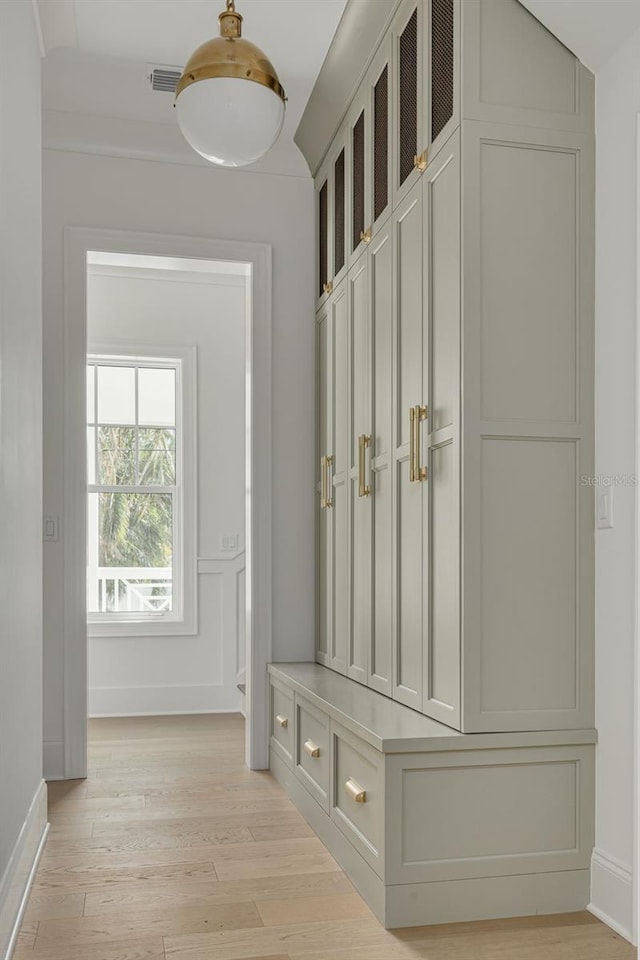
(74, 132)
(56, 24)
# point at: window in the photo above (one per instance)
(135, 473)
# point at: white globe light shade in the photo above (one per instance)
(230, 121)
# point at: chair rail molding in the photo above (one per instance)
(258, 594)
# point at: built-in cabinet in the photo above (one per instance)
(459, 580)
(442, 746)
(429, 828)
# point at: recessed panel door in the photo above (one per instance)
(382, 460)
(360, 470)
(441, 195)
(408, 497)
(338, 481)
(325, 519)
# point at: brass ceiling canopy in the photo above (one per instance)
(229, 55)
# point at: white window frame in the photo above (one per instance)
(183, 620)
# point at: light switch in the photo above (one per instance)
(230, 541)
(604, 508)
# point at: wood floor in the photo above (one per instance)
(173, 850)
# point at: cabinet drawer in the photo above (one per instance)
(311, 757)
(357, 800)
(282, 722)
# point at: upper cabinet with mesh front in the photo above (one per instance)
(395, 103)
(451, 60)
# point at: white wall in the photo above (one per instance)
(184, 674)
(107, 192)
(617, 106)
(20, 456)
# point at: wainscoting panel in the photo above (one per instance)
(147, 676)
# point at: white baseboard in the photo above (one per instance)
(163, 700)
(16, 881)
(612, 893)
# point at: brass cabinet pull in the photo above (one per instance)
(311, 748)
(412, 445)
(364, 441)
(328, 286)
(417, 473)
(420, 472)
(328, 462)
(326, 500)
(355, 791)
(365, 235)
(283, 721)
(420, 162)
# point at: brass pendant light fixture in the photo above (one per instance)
(229, 101)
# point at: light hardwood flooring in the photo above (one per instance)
(173, 850)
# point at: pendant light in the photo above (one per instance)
(229, 101)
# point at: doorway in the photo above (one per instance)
(85, 247)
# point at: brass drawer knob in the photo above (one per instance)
(365, 235)
(328, 287)
(420, 162)
(312, 749)
(355, 791)
(283, 721)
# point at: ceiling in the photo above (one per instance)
(99, 51)
(592, 29)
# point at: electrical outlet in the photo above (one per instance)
(604, 508)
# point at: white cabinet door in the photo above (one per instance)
(324, 229)
(379, 85)
(409, 392)
(358, 126)
(325, 517)
(333, 486)
(339, 478)
(382, 460)
(441, 196)
(359, 470)
(408, 132)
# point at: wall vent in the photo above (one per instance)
(164, 79)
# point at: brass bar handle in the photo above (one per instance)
(365, 235)
(412, 445)
(328, 287)
(283, 721)
(355, 791)
(420, 161)
(328, 461)
(325, 479)
(421, 413)
(323, 483)
(364, 441)
(312, 749)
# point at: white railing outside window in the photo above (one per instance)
(133, 590)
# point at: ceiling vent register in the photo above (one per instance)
(165, 79)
